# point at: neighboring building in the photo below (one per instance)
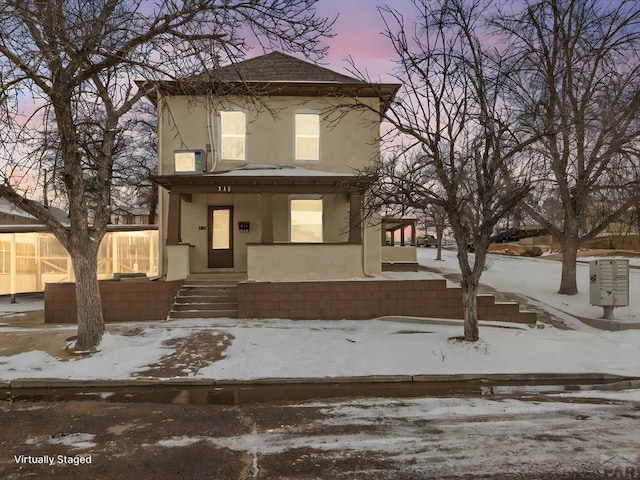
(130, 216)
(268, 183)
(31, 257)
(10, 214)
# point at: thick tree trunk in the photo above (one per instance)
(439, 242)
(470, 280)
(570, 243)
(470, 310)
(89, 305)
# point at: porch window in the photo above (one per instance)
(307, 136)
(232, 135)
(306, 220)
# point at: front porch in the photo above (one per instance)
(399, 244)
(243, 221)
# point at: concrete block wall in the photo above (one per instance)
(123, 301)
(366, 299)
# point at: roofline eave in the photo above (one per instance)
(385, 91)
(263, 184)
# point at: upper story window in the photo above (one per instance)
(307, 136)
(233, 132)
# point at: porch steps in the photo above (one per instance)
(207, 296)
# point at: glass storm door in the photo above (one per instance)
(220, 237)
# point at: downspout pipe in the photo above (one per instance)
(211, 134)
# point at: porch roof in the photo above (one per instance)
(264, 178)
(394, 223)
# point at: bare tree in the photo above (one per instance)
(134, 156)
(451, 114)
(577, 85)
(79, 60)
(137, 161)
(435, 216)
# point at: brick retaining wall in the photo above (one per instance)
(123, 301)
(366, 299)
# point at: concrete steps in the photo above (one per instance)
(207, 296)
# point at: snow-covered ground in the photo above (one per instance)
(539, 279)
(275, 348)
(303, 349)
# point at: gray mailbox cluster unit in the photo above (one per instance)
(609, 284)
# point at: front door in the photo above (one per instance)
(220, 237)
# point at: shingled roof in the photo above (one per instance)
(275, 74)
(276, 67)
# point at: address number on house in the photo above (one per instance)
(224, 188)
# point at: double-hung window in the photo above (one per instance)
(233, 132)
(307, 136)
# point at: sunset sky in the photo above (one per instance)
(358, 34)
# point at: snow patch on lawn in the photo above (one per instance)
(361, 348)
(120, 356)
(287, 348)
(539, 279)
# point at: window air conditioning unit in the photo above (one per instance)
(189, 161)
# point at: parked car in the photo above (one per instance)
(426, 241)
(516, 234)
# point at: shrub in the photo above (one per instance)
(531, 252)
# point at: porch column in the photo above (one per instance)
(174, 234)
(402, 229)
(413, 234)
(267, 218)
(355, 218)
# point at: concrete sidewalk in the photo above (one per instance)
(496, 378)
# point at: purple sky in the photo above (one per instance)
(358, 33)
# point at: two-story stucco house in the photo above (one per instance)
(267, 183)
(261, 206)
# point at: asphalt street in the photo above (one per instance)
(535, 436)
